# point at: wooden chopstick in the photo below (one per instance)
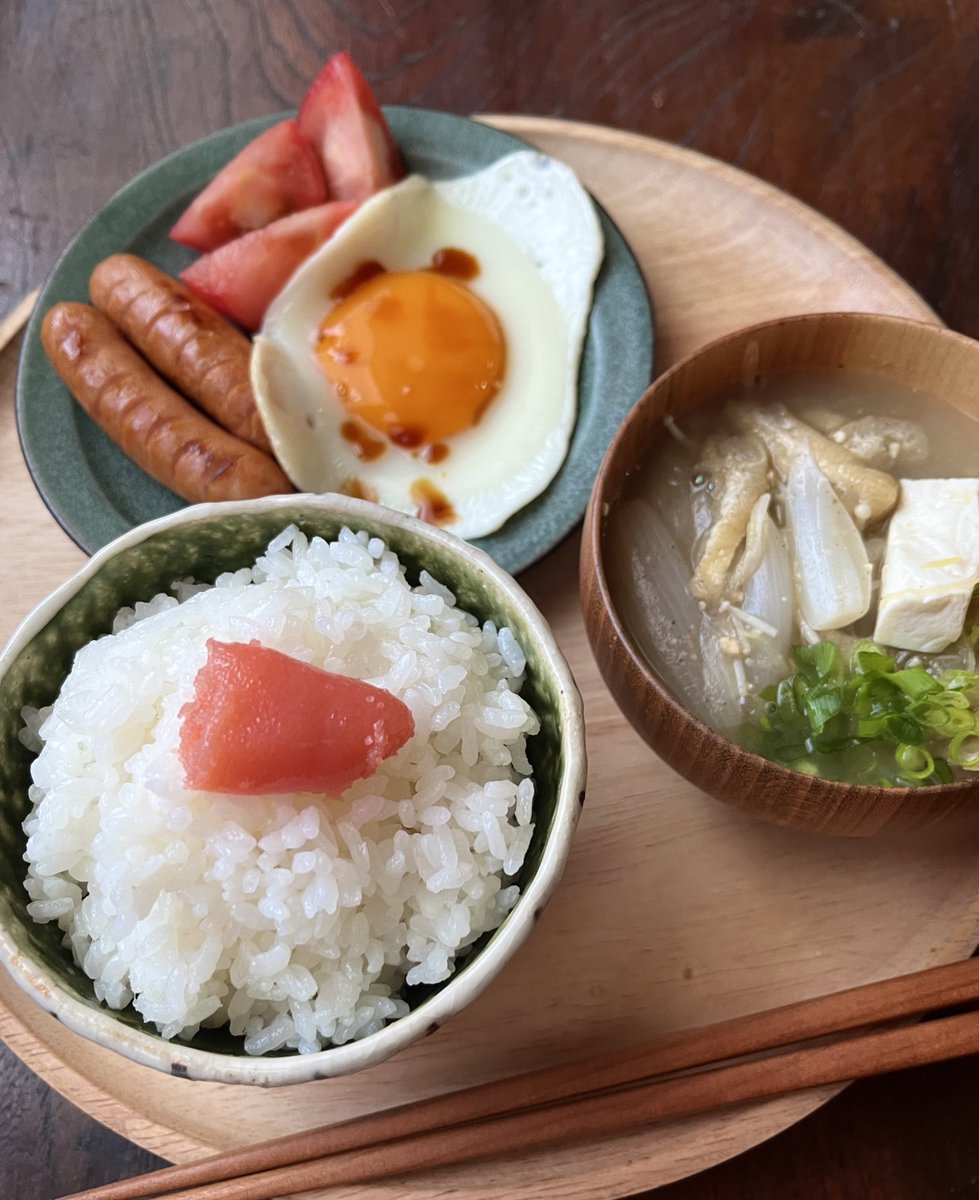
(544, 1106)
(615, 1112)
(17, 318)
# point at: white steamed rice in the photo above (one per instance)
(295, 919)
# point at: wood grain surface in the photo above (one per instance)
(865, 110)
(715, 947)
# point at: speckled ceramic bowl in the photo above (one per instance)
(202, 542)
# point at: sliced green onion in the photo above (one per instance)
(935, 716)
(785, 701)
(871, 727)
(963, 750)
(805, 767)
(915, 682)
(898, 727)
(874, 694)
(867, 660)
(957, 720)
(816, 662)
(914, 761)
(860, 718)
(822, 705)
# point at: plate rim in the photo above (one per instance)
(532, 124)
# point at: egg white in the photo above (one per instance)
(535, 234)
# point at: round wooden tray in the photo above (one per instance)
(674, 910)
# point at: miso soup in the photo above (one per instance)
(799, 564)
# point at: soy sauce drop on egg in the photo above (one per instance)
(416, 355)
(487, 254)
(363, 443)
(430, 504)
(458, 264)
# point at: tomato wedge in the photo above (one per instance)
(276, 174)
(262, 723)
(242, 278)
(340, 116)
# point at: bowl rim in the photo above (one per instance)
(596, 517)
(180, 1059)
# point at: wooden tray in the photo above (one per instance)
(674, 909)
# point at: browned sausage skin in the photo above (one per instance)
(203, 355)
(155, 426)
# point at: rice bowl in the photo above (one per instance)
(417, 866)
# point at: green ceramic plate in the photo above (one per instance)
(96, 493)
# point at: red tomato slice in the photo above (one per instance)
(261, 723)
(242, 278)
(341, 117)
(276, 174)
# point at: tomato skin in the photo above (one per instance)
(264, 723)
(276, 174)
(243, 277)
(267, 210)
(341, 117)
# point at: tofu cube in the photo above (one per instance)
(931, 564)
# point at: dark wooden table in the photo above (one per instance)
(866, 109)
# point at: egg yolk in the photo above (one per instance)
(415, 355)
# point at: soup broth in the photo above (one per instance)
(799, 565)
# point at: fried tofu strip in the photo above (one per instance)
(738, 468)
(867, 494)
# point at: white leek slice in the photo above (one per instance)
(656, 604)
(725, 684)
(770, 592)
(832, 569)
(769, 597)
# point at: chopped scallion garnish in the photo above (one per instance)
(866, 720)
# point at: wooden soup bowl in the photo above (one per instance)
(913, 354)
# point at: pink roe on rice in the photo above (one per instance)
(262, 723)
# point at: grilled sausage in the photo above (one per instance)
(197, 350)
(158, 429)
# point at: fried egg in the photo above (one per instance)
(427, 356)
